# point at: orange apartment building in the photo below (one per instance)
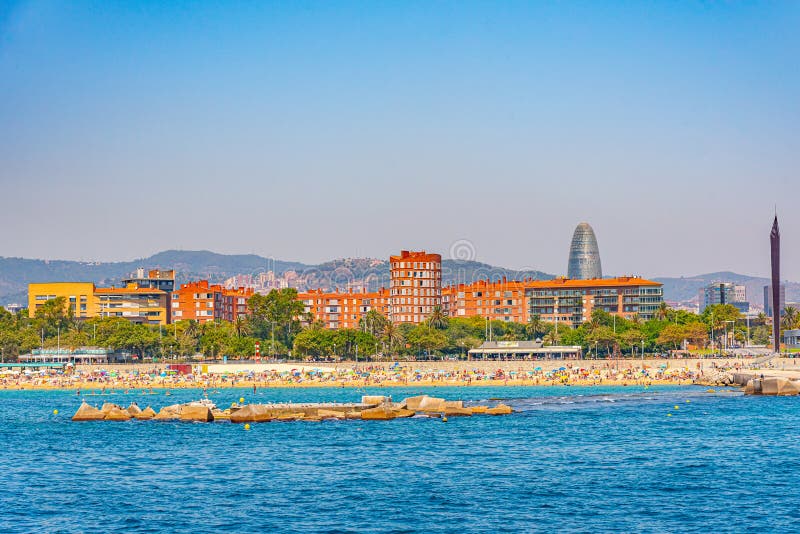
(503, 300)
(415, 286)
(204, 302)
(416, 289)
(558, 300)
(343, 309)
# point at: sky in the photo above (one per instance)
(310, 131)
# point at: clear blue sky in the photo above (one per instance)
(314, 130)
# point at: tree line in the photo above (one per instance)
(278, 323)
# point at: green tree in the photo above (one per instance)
(392, 336)
(791, 318)
(422, 338)
(373, 322)
(438, 318)
(277, 314)
(672, 335)
(602, 336)
(535, 327)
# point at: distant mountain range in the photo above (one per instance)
(17, 273)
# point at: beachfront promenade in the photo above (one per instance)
(387, 374)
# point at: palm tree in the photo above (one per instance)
(552, 338)
(241, 326)
(438, 318)
(534, 326)
(392, 335)
(662, 312)
(791, 318)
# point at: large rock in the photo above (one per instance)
(293, 416)
(454, 404)
(196, 413)
(500, 409)
(221, 415)
(330, 414)
(478, 409)
(778, 386)
(134, 410)
(118, 414)
(431, 404)
(88, 413)
(108, 406)
(375, 400)
(169, 413)
(146, 414)
(377, 414)
(402, 412)
(752, 387)
(454, 412)
(412, 403)
(252, 413)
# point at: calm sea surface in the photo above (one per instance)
(570, 459)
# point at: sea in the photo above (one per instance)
(569, 459)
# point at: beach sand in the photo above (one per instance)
(90, 379)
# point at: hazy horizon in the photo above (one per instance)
(311, 131)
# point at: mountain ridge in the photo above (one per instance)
(16, 273)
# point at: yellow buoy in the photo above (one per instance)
(688, 401)
(444, 419)
(233, 404)
(241, 400)
(55, 412)
(669, 415)
(247, 426)
(677, 407)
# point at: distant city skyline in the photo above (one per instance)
(316, 130)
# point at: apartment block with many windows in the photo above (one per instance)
(204, 302)
(85, 301)
(415, 286)
(343, 309)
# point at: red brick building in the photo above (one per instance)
(415, 286)
(204, 302)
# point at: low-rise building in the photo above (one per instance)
(343, 309)
(204, 302)
(792, 338)
(502, 300)
(572, 301)
(84, 300)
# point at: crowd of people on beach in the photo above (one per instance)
(374, 375)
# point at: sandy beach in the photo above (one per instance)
(93, 379)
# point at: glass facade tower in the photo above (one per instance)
(584, 255)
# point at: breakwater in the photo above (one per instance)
(378, 408)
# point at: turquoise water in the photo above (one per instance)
(577, 459)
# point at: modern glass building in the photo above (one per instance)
(584, 255)
(724, 293)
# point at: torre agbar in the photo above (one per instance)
(415, 289)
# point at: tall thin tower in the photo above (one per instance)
(584, 255)
(775, 249)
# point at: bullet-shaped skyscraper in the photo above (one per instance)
(584, 256)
